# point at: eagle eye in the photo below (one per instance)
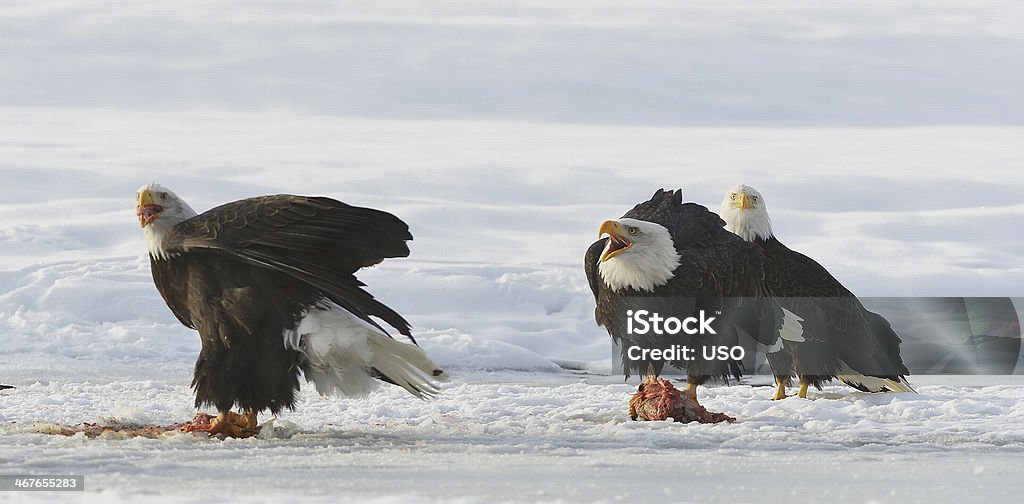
(754, 199)
(163, 195)
(633, 231)
(732, 196)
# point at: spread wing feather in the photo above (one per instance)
(319, 241)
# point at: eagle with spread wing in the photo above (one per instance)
(269, 283)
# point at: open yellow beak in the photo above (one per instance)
(608, 227)
(146, 208)
(617, 240)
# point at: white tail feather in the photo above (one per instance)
(873, 383)
(343, 351)
(407, 365)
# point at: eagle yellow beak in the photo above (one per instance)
(745, 201)
(146, 208)
(608, 227)
(617, 241)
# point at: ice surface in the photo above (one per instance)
(885, 139)
(540, 437)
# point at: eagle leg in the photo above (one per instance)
(803, 388)
(249, 419)
(691, 390)
(231, 424)
(780, 388)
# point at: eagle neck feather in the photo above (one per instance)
(157, 230)
(749, 225)
(154, 242)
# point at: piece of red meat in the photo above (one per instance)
(656, 399)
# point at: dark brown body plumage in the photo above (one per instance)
(241, 313)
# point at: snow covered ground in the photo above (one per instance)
(526, 437)
(885, 138)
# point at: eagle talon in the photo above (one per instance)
(229, 424)
(780, 390)
(691, 391)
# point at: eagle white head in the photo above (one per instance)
(159, 210)
(745, 213)
(639, 255)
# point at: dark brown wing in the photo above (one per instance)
(862, 339)
(319, 241)
(591, 261)
(168, 277)
(806, 285)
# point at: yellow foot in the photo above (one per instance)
(248, 420)
(691, 391)
(803, 390)
(231, 424)
(780, 392)
(781, 383)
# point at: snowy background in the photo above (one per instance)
(885, 138)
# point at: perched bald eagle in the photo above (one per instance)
(269, 284)
(663, 249)
(842, 338)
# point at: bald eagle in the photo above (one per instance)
(664, 249)
(842, 338)
(269, 284)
